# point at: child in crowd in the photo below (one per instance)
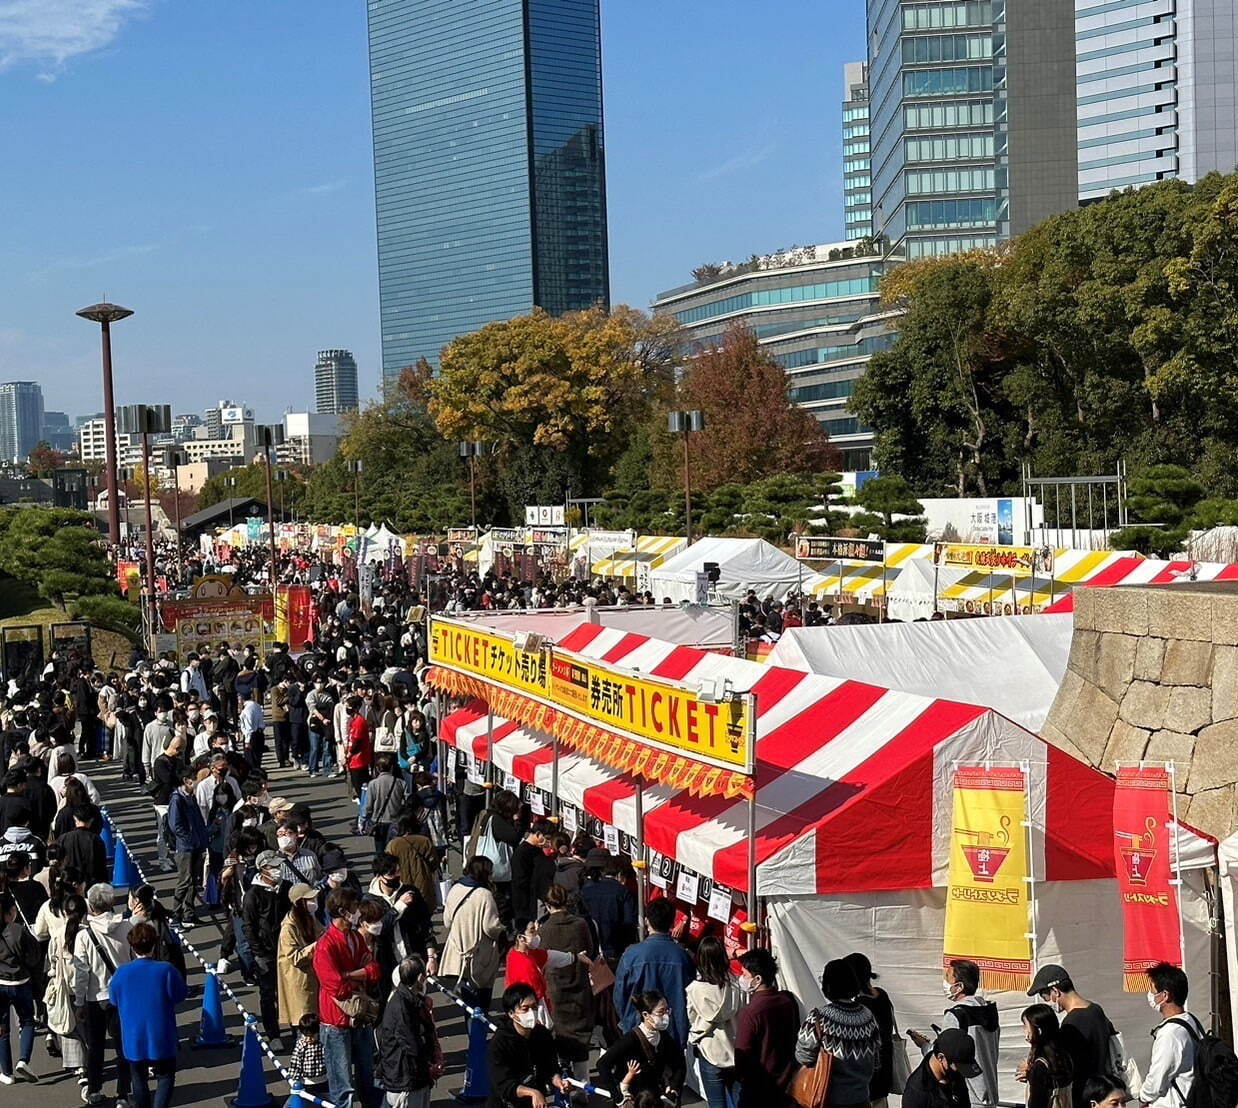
(308, 1065)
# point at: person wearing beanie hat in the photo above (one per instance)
(846, 1030)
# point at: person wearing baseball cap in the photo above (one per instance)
(940, 1081)
(1086, 1030)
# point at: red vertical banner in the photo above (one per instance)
(1144, 859)
(300, 603)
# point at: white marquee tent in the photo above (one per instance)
(743, 564)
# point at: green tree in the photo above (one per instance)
(1162, 500)
(885, 497)
(58, 551)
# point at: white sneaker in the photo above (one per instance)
(23, 1071)
(222, 967)
(7, 1079)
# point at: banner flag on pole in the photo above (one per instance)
(987, 906)
(1142, 853)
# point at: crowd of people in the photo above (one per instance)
(343, 942)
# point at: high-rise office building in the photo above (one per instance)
(488, 163)
(335, 382)
(21, 419)
(57, 431)
(1157, 91)
(857, 165)
(972, 120)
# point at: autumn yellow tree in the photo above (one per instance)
(558, 398)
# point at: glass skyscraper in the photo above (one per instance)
(489, 166)
(1158, 94)
(971, 119)
(857, 165)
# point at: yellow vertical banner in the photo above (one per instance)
(987, 905)
(283, 628)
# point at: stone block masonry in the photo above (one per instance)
(1153, 675)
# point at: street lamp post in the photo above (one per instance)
(472, 451)
(105, 315)
(147, 420)
(173, 460)
(281, 479)
(354, 467)
(231, 498)
(684, 423)
(270, 437)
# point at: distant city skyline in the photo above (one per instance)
(249, 242)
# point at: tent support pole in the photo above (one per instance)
(554, 780)
(753, 911)
(489, 775)
(640, 856)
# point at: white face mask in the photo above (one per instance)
(527, 1020)
(338, 876)
(947, 987)
(1152, 1002)
(286, 842)
(748, 984)
(533, 941)
(661, 1023)
(374, 928)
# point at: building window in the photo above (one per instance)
(758, 298)
(946, 48)
(924, 181)
(948, 82)
(935, 17)
(949, 148)
(931, 215)
(959, 113)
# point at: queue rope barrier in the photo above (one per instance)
(209, 968)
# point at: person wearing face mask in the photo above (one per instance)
(1086, 1031)
(205, 738)
(262, 912)
(319, 707)
(1047, 1070)
(521, 1055)
(646, 1058)
(298, 937)
(659, 963)
(156, 734)
(410, 1058)
(300, 866)
(941, 1079)
(1171, 1073)
(344, 965)
(189, 837)
(409, 927)
(765, 1033)
(714, 1003)
(527, 963)
(969, 1011)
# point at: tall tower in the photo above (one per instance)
(489, 168)
(972, 113)
(21, 419)
(335, 382)
(857, 163)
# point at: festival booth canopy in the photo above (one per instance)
(743, 564)
(978, 591)
(855, 582)
(651, 551)
(1013, 666)
(695, 625)
(379, 543)
(1135, 570)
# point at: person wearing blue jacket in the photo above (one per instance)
(145, 993)
(659, 964)
(190, 838)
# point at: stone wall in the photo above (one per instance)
(1153, 675)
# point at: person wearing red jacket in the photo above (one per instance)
(527, 962)
(359, 747)
(344, 965)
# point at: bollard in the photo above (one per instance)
(211, 1031)
(476, 1068)
(108, 838)
(251, 1090)
(124, 872)
(295, 1100)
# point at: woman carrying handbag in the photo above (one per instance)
(845, 1030)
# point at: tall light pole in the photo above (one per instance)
(105, 315)
(472, 451)
(269, 437)
(147, 420)
(684, 423)
(173, 459)
(231, 497)
(354, 467)
(281, 477)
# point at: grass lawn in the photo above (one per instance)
(21, 605)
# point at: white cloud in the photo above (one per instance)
(324, 189)
(739, 162)
(48, 33)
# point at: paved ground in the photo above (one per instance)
(208, 1076)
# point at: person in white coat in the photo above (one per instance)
(1171, 1072)
(99, 946)
(472, 953)
(714, 1003)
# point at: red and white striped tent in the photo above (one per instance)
(853, 825)
(850, 779)
(1150, 571)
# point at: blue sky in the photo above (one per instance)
(208, 164)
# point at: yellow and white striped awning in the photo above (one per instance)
(853, 582)
(652, 550)
(980, 593)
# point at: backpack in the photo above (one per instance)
(1216, 1070)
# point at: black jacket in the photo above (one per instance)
(612, 909)
(532, 874)
(20, 956)
(224, 672)
(83, 850)
(166, 772)
(14, 804)
(661, 1067)
(262, 912)
(925, 1091)
(405, 1043)
(516, 1060)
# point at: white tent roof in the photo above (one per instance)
(912, 595)
(1013, 664)
(692, 626)
(743, 563)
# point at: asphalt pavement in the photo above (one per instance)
(210, 1076)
